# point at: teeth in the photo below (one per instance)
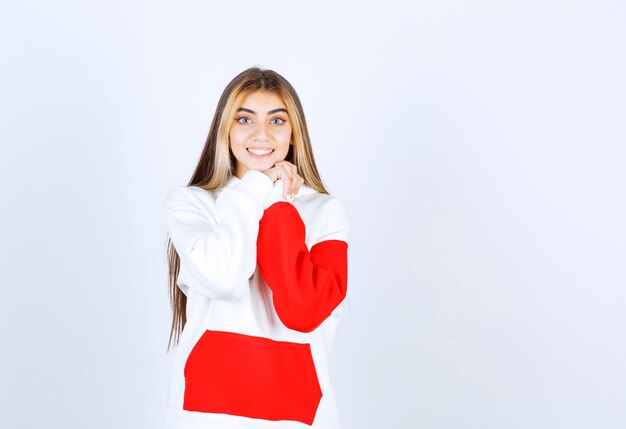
(260, 152)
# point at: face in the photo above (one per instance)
(261, 124)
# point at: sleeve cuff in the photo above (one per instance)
(256, 184)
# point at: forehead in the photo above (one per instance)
(263, 99)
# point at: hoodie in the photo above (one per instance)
(265, 281)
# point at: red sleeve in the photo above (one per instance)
(307, 285)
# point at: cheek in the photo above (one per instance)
(237, 136)
(283, 135)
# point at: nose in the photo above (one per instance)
(260, 132)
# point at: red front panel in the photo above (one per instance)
(245, 375)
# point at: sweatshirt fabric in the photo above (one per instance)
(266, 281)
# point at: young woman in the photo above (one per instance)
(258, 269)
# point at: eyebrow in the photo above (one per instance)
(280, 109)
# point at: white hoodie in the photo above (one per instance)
(265, 281)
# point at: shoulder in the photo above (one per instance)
(325, 216)
(323, 204)
(334, 211)
(183, 191)
(185, 195)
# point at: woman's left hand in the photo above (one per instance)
(292, 181)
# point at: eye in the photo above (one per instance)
(241, 118)
(282, 121)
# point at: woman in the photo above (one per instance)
(258, 269)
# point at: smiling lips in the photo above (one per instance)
(259, 153)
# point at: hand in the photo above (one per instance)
(288, 172)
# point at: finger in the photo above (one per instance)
(296, 184)
(291, 180)
(299, 184)
(285, 162)
(288, 166)
(287, 182)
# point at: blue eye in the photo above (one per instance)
(279, 119)
(243, 117)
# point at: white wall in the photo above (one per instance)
(478, 147)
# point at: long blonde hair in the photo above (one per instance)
(217, 162)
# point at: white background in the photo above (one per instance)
(477, 146)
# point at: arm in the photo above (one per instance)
(307, 285)
(220, 252)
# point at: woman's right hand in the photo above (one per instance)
(288, 172)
